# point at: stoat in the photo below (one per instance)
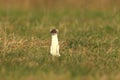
(54, 48)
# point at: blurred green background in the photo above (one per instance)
(60, 4)
(89, 37)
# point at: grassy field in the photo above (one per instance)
(89, 45)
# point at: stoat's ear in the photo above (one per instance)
(57, 30)
(50, 30)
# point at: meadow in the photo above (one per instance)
(89, 45)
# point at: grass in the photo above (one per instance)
(89, 45)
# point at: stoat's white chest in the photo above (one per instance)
(54, 39)
(54, 50)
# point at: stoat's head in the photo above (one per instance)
(54, 31)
